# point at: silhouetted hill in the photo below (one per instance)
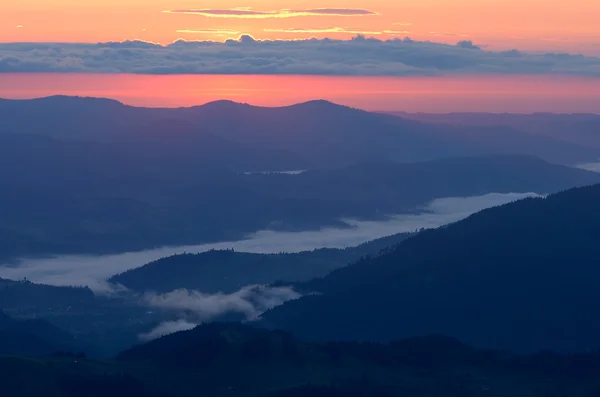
(228, 271)
(236, 360)
(521, 276)
(315, 134)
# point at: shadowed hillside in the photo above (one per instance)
(235, 360)
(228, 271)
(521, 276)
(72, 201)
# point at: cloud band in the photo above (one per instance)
(358, 56)
(250, 13)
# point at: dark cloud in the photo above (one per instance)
(467, 44)
(359, 56)
(285, 13)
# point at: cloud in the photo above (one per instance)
(166, 328)
(250, 301)
(94, 270)
(594, 167)
(360, 56)
(467, 44)
(248, 12)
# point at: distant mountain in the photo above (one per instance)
(522, 276)
(581, 129)
(228, 271)
(72, 201)
(241, 137)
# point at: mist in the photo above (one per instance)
(250, 301)
(594, 167)
(166, 328)
(92, 271)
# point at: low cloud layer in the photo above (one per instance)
(166, 328)
(594, 167)
(359, 56)
(250, 301)
(94, 270)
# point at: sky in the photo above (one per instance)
(508, 55)
(532, 25)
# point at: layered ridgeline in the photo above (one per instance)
(522, 276)
(315, 134)
(105, 325)
(77, 202)
(96, 176)
(236, 360)
(227, 271)
(581, 129)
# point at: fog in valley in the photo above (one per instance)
(92, 271)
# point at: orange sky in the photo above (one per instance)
(535, 25)
(514, 93)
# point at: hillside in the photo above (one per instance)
(235, 360)
(32, 337)
(104, 203)
(522, 276)
(228, 271)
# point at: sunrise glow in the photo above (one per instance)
(540, 25)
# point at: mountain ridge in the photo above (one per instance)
(491, 281)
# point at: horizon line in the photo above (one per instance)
(396, 113)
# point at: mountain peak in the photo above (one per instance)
(319, 104)
(66, 99)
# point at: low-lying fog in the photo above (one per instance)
(594, 167)
(93, 270)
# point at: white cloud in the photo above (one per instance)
(250, 301)
(358, 56)
(166, 328)
(595, 167)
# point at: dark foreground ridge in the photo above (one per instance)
(237, 360)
